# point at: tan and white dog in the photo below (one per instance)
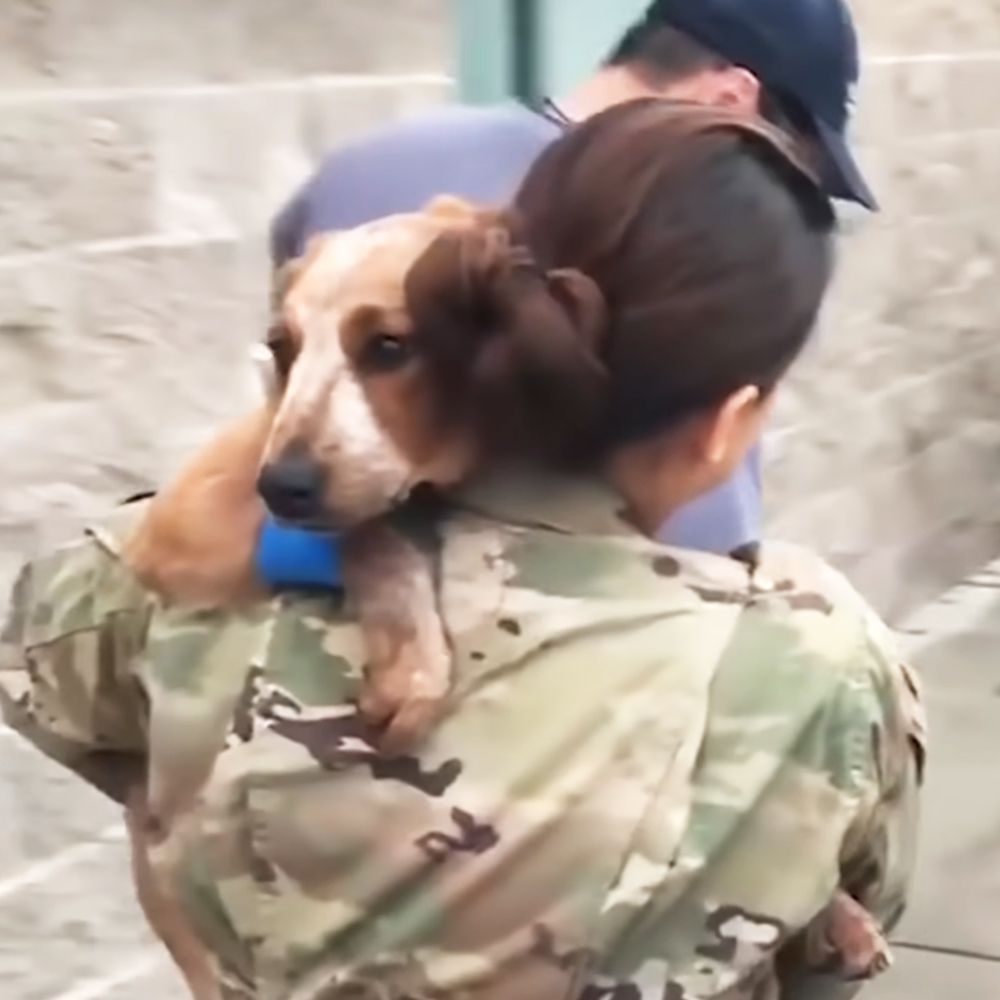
(404, 352)
(395, 346)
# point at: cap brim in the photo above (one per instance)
(841, 176)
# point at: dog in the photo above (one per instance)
(319, 455)
(353, 424)
(403, 353)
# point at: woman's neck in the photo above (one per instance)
(641, 476)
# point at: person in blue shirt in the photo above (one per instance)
(795, 62)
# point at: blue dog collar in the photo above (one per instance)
(288, 558)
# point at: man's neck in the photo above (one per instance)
(607, 87)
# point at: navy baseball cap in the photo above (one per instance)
(804, 52)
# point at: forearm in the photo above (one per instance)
(76, 624)
(878, 873)
(112, 772)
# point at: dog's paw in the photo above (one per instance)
(855, 939)
(403, 703)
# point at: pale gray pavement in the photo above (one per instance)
(69, 929)
(949, 945)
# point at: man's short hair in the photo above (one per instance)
(803, 52)
(662, 54)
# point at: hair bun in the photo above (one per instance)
(528, 339)
(539, 377)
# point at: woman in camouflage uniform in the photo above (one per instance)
(661, 764)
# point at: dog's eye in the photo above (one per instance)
(385, 352)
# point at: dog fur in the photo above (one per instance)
(195, 545)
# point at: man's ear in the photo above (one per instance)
(731, 87)
(738, 89)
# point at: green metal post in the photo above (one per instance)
(526, 48)
(574, 36)
(487, 58)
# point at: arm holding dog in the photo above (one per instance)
(70, 650)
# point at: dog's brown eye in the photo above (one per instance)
(385, 352)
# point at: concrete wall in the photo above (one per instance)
(144, 144)
(889, 453)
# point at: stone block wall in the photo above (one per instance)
(887, 447)
(144, 145)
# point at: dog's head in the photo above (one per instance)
(408, 349)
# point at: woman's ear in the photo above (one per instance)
(732, 427)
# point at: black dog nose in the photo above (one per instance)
(292, 487)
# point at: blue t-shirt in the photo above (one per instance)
(481, 154)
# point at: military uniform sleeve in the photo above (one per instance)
(806, 785)
(878, 855)
(75, 627)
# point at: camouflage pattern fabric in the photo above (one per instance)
(658, 768)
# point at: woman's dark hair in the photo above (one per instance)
(657, 258)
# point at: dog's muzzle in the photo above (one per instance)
(292, 487)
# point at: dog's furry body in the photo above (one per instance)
(378, 430)
(195, 547)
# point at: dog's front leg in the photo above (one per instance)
(408, 676)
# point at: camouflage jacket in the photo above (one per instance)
(658, 768)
